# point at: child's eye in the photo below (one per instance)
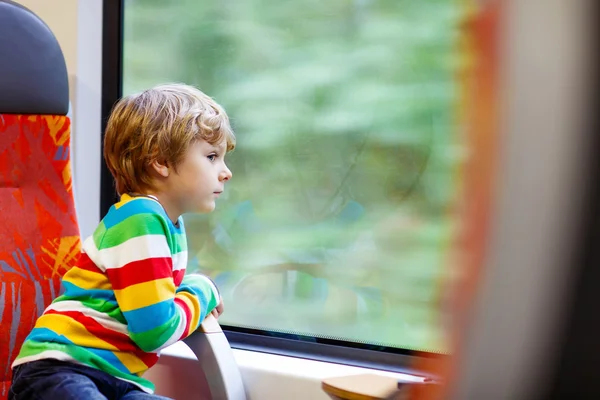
(212, 157)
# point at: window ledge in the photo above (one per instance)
(265, 376)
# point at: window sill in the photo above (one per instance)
(265, 376)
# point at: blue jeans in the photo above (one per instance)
(60, 380)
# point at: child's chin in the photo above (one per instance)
(206, 207)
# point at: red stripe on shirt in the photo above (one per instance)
(141, 271)
(188, 316)
(86, 263)
(178, 277)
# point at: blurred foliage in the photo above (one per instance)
(343, 203)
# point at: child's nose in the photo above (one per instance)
(226, 174)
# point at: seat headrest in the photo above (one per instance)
(33, 72)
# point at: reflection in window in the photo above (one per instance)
(343, 206)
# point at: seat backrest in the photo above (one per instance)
(39, 235)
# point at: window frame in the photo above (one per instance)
(307, 347)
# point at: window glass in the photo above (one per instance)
(342, 211)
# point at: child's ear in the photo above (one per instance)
(161, 168)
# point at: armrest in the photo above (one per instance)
(212, 349)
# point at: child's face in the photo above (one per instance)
(200, 177)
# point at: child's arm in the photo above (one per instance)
(138, 262)
(192, 288)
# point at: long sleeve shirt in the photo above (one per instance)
(127, 298)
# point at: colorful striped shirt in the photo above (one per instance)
(127, 298)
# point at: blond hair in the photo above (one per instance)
(159, 124)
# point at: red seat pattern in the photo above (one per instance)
(39, 235)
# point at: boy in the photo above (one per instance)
(127, 298)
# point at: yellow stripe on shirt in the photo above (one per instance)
(145, 294)
(87, 280)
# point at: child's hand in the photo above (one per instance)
(218, 309)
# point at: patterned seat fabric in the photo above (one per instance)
(39, 235)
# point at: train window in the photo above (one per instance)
(340, 219)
